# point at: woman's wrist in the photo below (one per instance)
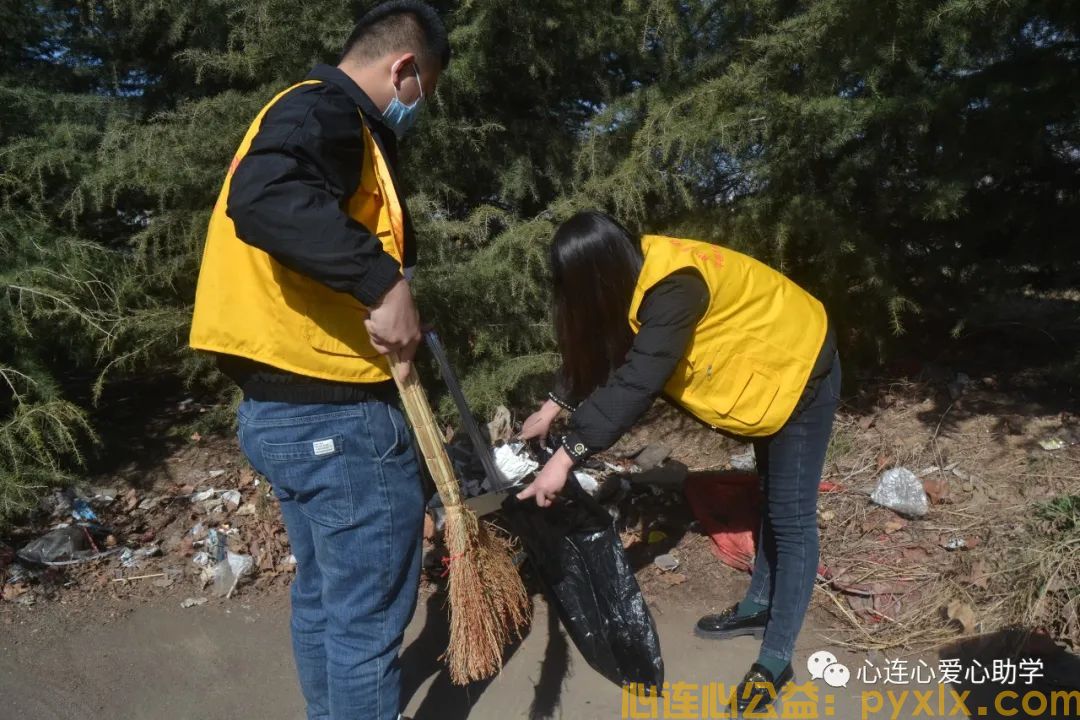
(562, 460)
(576, 450)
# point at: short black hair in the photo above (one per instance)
(399, 25)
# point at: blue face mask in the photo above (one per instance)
(400, 117)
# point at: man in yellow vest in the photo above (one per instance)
(303, 290)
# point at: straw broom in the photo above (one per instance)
(488, 603)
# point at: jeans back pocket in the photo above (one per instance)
(314, 474)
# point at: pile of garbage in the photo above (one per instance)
(204, 539)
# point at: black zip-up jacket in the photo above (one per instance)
(288, 198)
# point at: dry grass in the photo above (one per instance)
(894, 583)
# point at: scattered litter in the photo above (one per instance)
(900, 491)
(291, 560)
(652, 456)
(131, 558)
(244, 510)
(666, 562)
(201, 559)
(1052, 444)
(231, 498)
(17, 574)
(587, 482)
(150, 503)
(937, 488)
(193, 602)
(68, 545)
(163, 582)
(936, 468)
(513, 467)
(82, 511)
(216, 546)
(227, 574)
(104, 496)
(216, 473)
(745, 461)
(198, 530)
(203, 495)
(955, 543)
(656, 536)
(728, 507)
(501, 427)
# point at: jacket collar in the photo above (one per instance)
(373, 117)
(383, 135)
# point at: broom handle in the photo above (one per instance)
(468, 420)
(428, 437)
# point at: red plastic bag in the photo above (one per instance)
(728, 506)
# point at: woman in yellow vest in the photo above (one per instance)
(735, 344)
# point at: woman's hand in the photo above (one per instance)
(550, 481)
(538, 424)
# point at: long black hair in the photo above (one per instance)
(595, 263)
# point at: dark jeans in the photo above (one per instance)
(349, 485)
(790, 464)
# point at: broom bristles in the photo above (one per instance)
(489, 605)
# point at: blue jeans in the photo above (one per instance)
(790, 464)
(350, 491)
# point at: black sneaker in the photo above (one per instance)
(759, 689)
(730, 624)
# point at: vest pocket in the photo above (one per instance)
(743, 391)
(337, 328)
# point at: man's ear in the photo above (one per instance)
(402, 68)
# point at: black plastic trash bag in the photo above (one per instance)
(580, 560)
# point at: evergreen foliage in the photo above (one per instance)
(902, 160)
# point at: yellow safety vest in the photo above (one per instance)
(247, 304)
(752, 352)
